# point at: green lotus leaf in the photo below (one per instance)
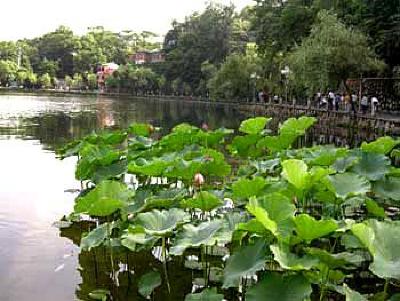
(341, 165)
(214, 164)
(275, 212)
(204, 200)
(113, 138)
(374, 209)
(245, 146)
(244, 262)
(383, 145)
(109, 172)
(372, 166)
(308, 228)
(334, 261)
(164, 199)
(352, 295)
(136, 239)
(183, 169)
(246, 188)
(277, 143)
(382, 241)
(324, 155)
(275, 287)
(153, 168)
(296, 173)
(160, 223)
(95, 237)
(291, 261)
(252, 226)
(213, 139)
(104, 199)
(265, 167)
(395, 297)
(209, 294)
(254, 125)
(140, 143)
(192, 236)
(148, 283)
(388, 188)
(298, 126)
(99, 294)
(349, 184)
(140, 129)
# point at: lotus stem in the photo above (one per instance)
(164, 257)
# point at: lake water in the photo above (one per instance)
(37, 261)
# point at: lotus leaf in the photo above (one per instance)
(135, 239)
(104, 199)
(382, 241)
(193, 236)
(275, 287)
(246, 188)
(334, 261)
(349, 184)
(295, 172)
(245, 262)
(204, 200)
(372, 166)
(141, 129)
(374, 209)
(154, 168)
(95, 237)
(277, 143)
(353, 295)
(148, 282)
(383, 145)
(209, 294)
(341, 165)
(254, 125)
(160, 223)
(291, 261)
(298, 126)
(388, 188)
(214, 164)
(308, 228)
(245, 146)
(100, 294)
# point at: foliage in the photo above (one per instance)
(276, 223)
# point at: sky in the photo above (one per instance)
(32, 18)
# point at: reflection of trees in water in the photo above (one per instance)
(96, 271)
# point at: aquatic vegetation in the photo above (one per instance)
(260, 219)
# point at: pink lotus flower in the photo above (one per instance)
(198, 179)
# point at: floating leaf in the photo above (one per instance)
(275, 287)
(254, 125)
(309, 228)
(193, 236)
(245, 262)
(349, 184)
(209, 294)
(372, 166)
(104, 199)
(160, 223)
(381, 240)
(148, 282)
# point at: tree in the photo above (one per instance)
(91, 79)
(233, 81)
(44, 80)
(331, 55)
(8, 71)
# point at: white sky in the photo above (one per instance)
(31, 18)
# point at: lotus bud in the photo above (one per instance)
(204, 126)
(198, 179)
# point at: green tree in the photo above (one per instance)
(330, 55)
(8, 71)
(91, 79)
(44, 80)
(235, 80)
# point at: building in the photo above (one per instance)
(148, 57)
(104, 71)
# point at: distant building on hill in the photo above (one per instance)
(147, 57)
(104, 71)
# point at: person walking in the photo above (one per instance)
(364, 104)
(374, 105)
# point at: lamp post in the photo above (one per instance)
(285, 72)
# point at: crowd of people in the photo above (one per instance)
(347, 102)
